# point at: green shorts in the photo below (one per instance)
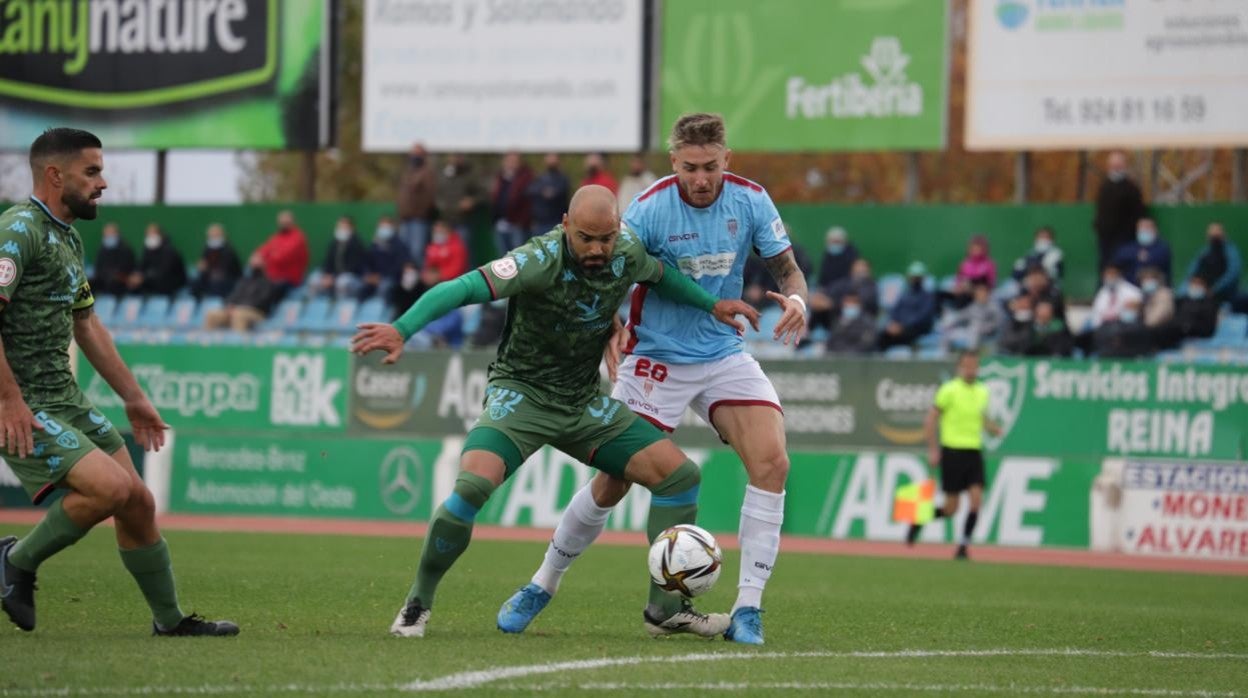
(604, 434)
(70, 431)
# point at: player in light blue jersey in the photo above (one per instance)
(705, 222)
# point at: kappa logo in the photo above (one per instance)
(521, 259)
(552, 247)
(52, 238)
(26, 214)
(8, 271)
(19, 227)
(443, 545)
(505, 268)
(1007, 389)
(569, 275)
(617, 265)
(11, 248)
(589, 313)
(54, 462)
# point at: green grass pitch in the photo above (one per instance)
(315, 612)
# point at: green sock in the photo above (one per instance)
(674, 501)
(152, 568)
(450, 531)
(52, 535)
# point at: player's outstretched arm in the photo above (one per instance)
(676, 287)
(792, 297)
(97, 345)
(438, 301)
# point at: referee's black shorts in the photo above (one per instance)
(960, 468)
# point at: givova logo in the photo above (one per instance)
(123, 54)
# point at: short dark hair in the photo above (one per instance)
(60, 142)
(1046, 229)
(968, 354)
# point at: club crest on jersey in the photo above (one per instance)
(67, 440)
(777, 229)
(732, 227)
(8, 271)
(505, 268)
(617, 265)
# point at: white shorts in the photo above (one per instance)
(660, 393)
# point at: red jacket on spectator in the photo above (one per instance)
(449, 257)
(603, 178)
(285, 256)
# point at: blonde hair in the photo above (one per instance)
(697, 130)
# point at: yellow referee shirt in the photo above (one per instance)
(962, 408)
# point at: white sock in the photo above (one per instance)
(762, 513)
(580, 524)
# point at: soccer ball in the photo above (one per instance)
(685, 560)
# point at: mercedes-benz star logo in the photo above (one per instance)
(401, 481)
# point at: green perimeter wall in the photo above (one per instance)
(890, 236)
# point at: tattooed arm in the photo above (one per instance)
(792, 297)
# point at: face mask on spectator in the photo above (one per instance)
(1150, 286)
(916, 283)
(851, 312)
(1216, 242)
(1111, 284)
(1195, 292)
(410, 277)
(111, 241)
(1023, 315)
(417, 161)
(1146, 236)
(440, 236)
(1117, 176)
(835, 248)
(216, 243)
(342, 233)
(1044, 245)
(151, 242)
(1129, 316)
(385, 232)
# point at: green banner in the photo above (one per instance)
(156, 74)
(232, 388)
(1048, 408)
(332, 477)
(809, 75)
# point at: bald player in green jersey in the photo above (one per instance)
(544, 388)
(52, 436)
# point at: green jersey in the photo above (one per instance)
(559, 315)
(42, 281)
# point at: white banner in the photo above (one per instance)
(1049, 74)
(1172, 508)
(495, 75)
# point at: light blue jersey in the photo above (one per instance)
(709, 245)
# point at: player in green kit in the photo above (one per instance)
(564, 288)
(52, 436)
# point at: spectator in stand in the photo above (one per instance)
(915, 311)
(408, 290)
(162, 271)
(415, 200)
(976, 267)
(757, 280)
(447, 253)
(458, 195)
(1158, 298)
(512, 209)
(446, 331)
(1218, 261)
(1116, 292)
(973, 326)
(548, 196)
(1119, 206)
(1195, 316)
(1147, 250)
(113, 264)
(825, 301)
(854, 332)
(218, 266)
(343, 268)
(1125, 336)
(639, 177)
(1045, 254)
(596, 172)
(1041, 332)
(285, 256)
(1037, 287)
(249, 303)
(1019, 330)
(383, 261)
(839, 256)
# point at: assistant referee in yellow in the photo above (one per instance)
(961, 408)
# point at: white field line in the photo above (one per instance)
(467, 680)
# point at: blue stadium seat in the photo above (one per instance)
(343, 317)
(286, 316)
(890, 287)
(929, 340)
(105, 306)
(155, 310)
(1006, 290)
(127, 313)
(472, 318)
(933, 353)
(372, 310)
(1232, 328)
(182, 314)
(314, 316)
(207, 305)
(898, 352)
(946, 284)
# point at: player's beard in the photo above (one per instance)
(80, 206)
